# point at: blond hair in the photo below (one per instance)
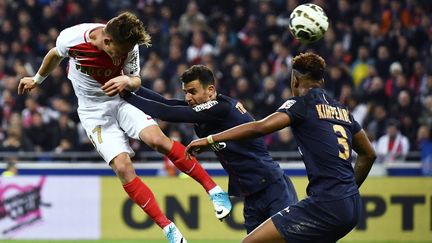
(127, 29)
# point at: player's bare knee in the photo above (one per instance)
(122, 166)
(159, 143)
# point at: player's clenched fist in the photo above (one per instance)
(25, 84)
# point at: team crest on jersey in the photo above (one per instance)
(205, 106)
(288, 104)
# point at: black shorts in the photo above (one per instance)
(260, 206)
(318, 221)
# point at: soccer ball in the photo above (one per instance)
(308, 23)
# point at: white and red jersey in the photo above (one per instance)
(89, 68)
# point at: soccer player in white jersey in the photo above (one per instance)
(103, 61)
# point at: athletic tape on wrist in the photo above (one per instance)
(38, 78)
(210, 139)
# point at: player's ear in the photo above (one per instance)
(211, 89)
(107, 41)
(295, 82)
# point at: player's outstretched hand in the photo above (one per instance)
(195, 147)
(26, 84)
(115, 85)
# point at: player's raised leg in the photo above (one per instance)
(175, 151)
(143, 196)
(265, 233)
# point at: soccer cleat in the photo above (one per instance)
(173, 234)
(222, 204)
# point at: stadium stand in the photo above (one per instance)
(378, 54)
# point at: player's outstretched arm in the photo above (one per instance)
(152, 95)
(171, 113)
(51, 60)
(272, 123)
(366, 156)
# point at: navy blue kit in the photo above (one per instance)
(253, 174)
(323, 131)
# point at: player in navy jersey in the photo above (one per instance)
(252, 172)
(325, 133)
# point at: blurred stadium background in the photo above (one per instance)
(379, 56)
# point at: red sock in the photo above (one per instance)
(190, 166)
(143, 196)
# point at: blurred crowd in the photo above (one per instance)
(379, 57)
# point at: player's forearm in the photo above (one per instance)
(366, 156)
(165, 112)
(241, 132)
(151, 95)
(152, 108)
(272, 123)
(51, 60)
(362, 167)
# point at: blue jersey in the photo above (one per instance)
(248, 163)
(323, 131)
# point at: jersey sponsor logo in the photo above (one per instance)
(218, 146)
(205, 106)
(95, 63)
(288, 104)
(94, 71)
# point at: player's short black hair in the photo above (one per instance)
(198, 72)
(309, 65)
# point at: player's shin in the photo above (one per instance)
(143, 196)
(190, 167)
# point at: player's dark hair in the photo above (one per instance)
(198, 72)
(309, 65)
(127, 29)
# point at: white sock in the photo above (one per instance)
(216, 189)
(166, 228)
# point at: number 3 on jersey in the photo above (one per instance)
(344, 151)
